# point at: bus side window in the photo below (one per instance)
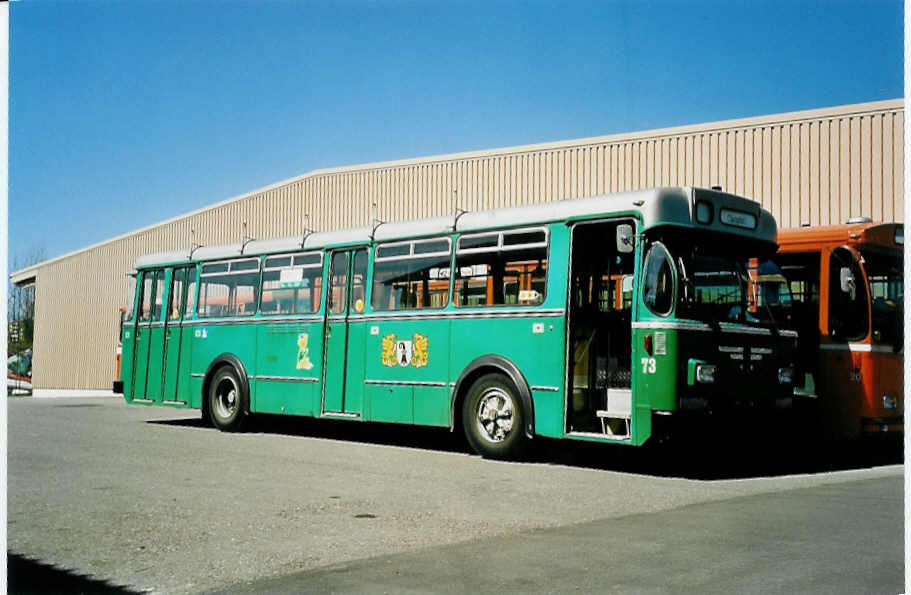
(802, 272)
(292, 284)
(509, 268)
(145, 298)
(191, 293)
(229, 288)
(359, 281)
(338, 282)
(411, 275)
(131, 300)
(658, 290)
(175, 301)
(152, 298)
(848, 308)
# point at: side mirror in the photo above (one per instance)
(625, 240)
(846, 277)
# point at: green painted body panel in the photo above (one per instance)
(177, 348)
(173, 337)
(656, 389)
(183, 392)
(141, 361)
(217, 338)
(195, 392)
(334, 369)
(428, 365)
(156, 361)
(127, 353)
(538, 355)
(354, 368)
(391, 403)
(288, 350)
(431, 405)
(748, 375)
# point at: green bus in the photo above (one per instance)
(591, 319)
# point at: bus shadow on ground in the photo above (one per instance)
(406, 436)
(27, 575)
(734, 454)
(727, 458)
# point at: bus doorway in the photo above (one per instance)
(599, 396)
(343, 360)
(176, 358)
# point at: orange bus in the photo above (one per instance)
(847, 295)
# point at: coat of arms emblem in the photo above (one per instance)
(404, 352)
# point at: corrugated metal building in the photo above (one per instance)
(817, 166)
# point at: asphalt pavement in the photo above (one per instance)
(152, 499)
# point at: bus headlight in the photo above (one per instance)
(889, 402)
(786, 375)
(705, 373)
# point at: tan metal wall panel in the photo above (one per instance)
(818, 167)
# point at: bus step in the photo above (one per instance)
(614, 424)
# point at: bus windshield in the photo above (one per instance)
(770, 295)
(884, 273)
(714, 285)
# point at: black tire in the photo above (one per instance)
(228, 400)
(493, 418)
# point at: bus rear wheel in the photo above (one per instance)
(493, 418)
(228, 401)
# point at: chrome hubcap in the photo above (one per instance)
(226, 398)
(495, 414)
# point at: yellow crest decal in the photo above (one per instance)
(388, 355)
(303, 352)
(419, 357)
(403, 352)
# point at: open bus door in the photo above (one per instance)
(599, 332)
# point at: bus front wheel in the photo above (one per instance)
(227, 400)
(493, 419)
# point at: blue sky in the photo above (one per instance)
(125, 113)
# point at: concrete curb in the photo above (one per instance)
(53, 393)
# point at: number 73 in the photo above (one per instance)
(648, 365)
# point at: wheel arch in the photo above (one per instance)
(484, 365)
(225, 359)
